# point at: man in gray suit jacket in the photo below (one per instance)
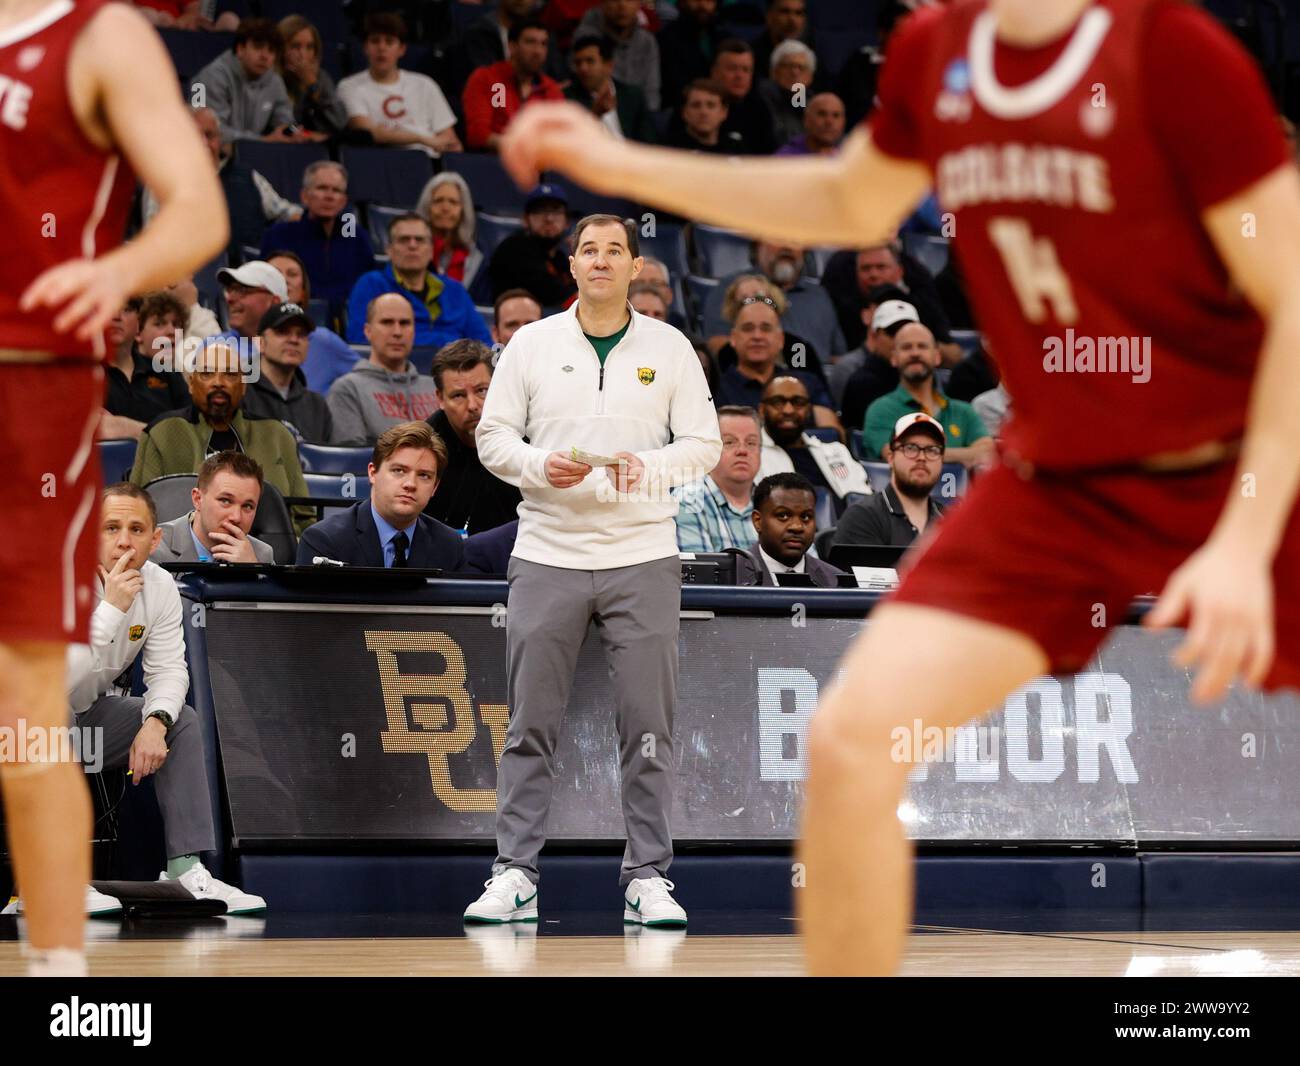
(217, 530)
(785, 518)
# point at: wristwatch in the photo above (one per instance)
(162, 716)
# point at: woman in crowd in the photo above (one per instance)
(797, 353)
(316, 104)
(447, 204)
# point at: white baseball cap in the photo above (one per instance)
(891, 312)
(257, 274)
(920, 421)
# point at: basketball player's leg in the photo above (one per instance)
(47, 804)
(910, 663)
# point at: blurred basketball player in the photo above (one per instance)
(86, 97)
(1129, 223)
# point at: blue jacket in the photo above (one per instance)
(333, 263)
(489, 552)
(352, 537)
(459, 317)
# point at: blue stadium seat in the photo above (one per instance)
(337, 487)
(855, 445)
(191, 51)
(825, 509)
(493, 189)
(332, 459)
(824, 433)
(967, 339)
(386, 175)
(697, 292)
(171, 495)
(211, 294)
(493, 229)
(878, 474)
(281, 164)
(116, 457)
(668, 244)
(422, 357)
(378, 217)
(931, 251)
(719, 252)
(320, 312)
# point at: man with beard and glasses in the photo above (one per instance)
(786, 447)
(905, 509)
(179, 442)
(916, 357)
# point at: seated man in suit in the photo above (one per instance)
(217, 530)
(389, 528)
(786, 521)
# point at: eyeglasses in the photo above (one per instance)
(799, 403)
(915, 451)
(758, 300)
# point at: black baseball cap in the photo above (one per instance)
(280, 315)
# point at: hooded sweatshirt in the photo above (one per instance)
(246, 109)
(369, 399)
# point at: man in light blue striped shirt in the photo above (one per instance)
(714, 512)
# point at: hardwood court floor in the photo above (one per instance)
(518, 950)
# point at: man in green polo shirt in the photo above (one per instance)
(916, 357)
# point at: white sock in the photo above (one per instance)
(56, 962)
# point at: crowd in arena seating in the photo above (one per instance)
(378, 253)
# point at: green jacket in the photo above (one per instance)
(178, 444)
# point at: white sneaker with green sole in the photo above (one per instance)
(646, 901)
(508, 897)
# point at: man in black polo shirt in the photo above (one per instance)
(905, 509)
(467, 497)
(140, 388)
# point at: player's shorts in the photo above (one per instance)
(1061, 557)
(49, 544)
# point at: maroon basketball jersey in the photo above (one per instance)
(1075, 175)
(61, 197)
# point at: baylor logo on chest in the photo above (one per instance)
(645, 374)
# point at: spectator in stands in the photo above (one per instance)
(851, 275)
(758, 340)
(785, 20)
(905, 509)
(714, 513)
(397, 107)
(384, 390)
(993, 408)
(785, 519)
(329, 356)
(810, 313)
(200, 322)
(251, 290)
(823, 128)
(219, 529)
(655, 272)
(796, 352)
(861, 71)
(698, 125)
(139, 614)
(468, 497)
(747, 114)
(248, 96)
(141, 387)
(646, 299)
(537, 257)
(827, 464)
(787, 88)
(512, 309)
(178, 443)
(389, 529)
(447, 203)
(315, 98)
(334, 247)
(124, 326)
(185, 15)
(865, 374)
(251, 200)
(620, 106)
(687, 46)
(443, 309)
(916, 357)
(636, 53)
(486, 40)
(494, 94)
(280, 390)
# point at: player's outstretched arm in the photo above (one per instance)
(125, 93)
(1226, 586)
(855, 198)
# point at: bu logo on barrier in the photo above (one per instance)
(429, 730)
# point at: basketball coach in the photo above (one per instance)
(596, 543)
